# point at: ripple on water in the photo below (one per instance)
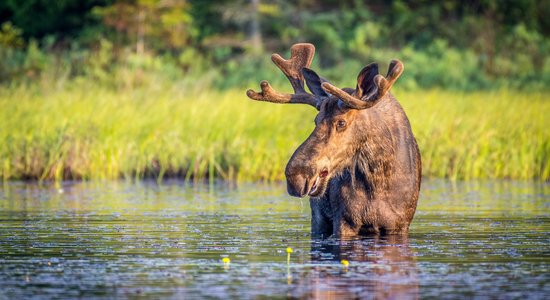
(474, 239)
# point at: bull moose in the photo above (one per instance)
(361, 164)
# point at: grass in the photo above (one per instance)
(500, 134)
(86, 131)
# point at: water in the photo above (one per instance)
(103, 240)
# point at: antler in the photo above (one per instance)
(301, 56)
(382, 85)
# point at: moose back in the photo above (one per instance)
(361, 164)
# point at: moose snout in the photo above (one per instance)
(297, 185)
(297, 178)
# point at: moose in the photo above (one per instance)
(361, 164)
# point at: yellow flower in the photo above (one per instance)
(344, 262)
(288, 250)
(226, 260)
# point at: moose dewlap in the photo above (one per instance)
(360, 165)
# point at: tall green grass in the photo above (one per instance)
(502, 134)
(86, 131)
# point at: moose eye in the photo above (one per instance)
(340, 124)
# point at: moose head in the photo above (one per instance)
(361, 146)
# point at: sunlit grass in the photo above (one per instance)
(86, 131)
(500, 134)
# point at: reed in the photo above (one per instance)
(87, 131)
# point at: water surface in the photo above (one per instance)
(488, 239)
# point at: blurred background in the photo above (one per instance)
(155, 88)
(465, 45)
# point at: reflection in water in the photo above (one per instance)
(379, 268)
(121, 240)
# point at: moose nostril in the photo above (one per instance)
(297, 185)
(304, 189)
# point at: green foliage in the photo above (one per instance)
(39, 18)
(11, 56)
(87, 130)
(157, 24)
(10, 36)
(445, 44)
(481, 135)
(440, 65)
(148, 88)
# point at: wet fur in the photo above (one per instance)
(376, 192)
(361, 163)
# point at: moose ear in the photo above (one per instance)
(365, 81)
(313, 82)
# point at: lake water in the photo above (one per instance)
(483, 239)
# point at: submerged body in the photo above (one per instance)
(378, 191)
(361, 164)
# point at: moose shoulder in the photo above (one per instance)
(360, 165)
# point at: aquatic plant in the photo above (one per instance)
(288, 251)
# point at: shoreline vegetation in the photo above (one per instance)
(84, 130)
(108, 89)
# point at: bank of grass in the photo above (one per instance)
(86, 131)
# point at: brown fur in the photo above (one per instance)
(374, 170)
(361, 164)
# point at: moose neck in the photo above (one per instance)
(373, 164)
